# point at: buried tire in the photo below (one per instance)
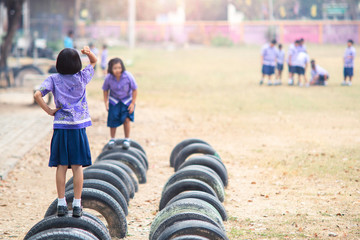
(184, 185)
(102, 203)
(192, 149)
(83, 222)
(210, 162)
(129, 160)
(64, 233)
(106, 188)
(180, 147)
(106, 176)
(118, 171)
(201, 174)
(193, 227)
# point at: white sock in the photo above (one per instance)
(76, 203)
(62, 202)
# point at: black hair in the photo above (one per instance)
(114, 61)
(273, 41)
(312, 62)
(301, 40)
(297, 41)
(104, 45)
(351, 41)
(68, 61)
(70, 32)
(280, 45)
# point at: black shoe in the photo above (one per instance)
(62, 211)
(77, 212)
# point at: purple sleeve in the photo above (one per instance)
(106, 85)
(47, 86)
(87, 74)
(133, 84)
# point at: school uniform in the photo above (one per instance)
(280, 56)
(120, 98)
(301, 60)
(321, 72)
(69, 144)
(292, 55)
(104, 55)
(269, 59)
(349, 62)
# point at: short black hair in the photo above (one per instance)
(280, 45)
(114, 61)
(351, 41)
(68, 61)
(273, 41)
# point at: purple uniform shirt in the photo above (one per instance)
(120, 90)
(349, 56)
(269, 55)
(104, 56)
(70, 95)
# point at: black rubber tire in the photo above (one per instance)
(102, 203)
(64, 233)
(83, 222)
(210, 162)
(184, 185)
(106, 176)
(143, 156)
(192, 149)
(158, 227)
(181, 145)
(190, 237)
(131, 151)
(106, 188)
(193, 227)
(129, 171)
(118, 171)
(132, 162)
(193, 172)
(119, 141)
(214, 201)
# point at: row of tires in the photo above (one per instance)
(191, 201)
(108, 186)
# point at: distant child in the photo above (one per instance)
(69, 144)
(94, 50)
(268, 61)
(302, 60)
(104, 56)
(292, 55)
(68, 40)
(349, 57)
(319, 76)
(120, 92)
(280, 58)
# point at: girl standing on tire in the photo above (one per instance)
(69, 144)
(120, 102)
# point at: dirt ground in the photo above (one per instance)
(287, 178)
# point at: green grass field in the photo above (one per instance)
(300, 133)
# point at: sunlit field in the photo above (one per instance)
(292, 153)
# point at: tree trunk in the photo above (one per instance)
(14, 12)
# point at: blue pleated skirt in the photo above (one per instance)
(70, 147)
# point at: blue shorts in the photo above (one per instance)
(268, 70)
(69, 147)
(348, 71)
(117, 115)
(321, 80)
(292, 69)
(280, 66)
(300, 70)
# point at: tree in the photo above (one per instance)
(14, 12)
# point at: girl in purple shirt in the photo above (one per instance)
(120, 91)
(69, 144)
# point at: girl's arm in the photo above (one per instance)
(132, 104)
(106, 100)
(91, 55)
(43, 105)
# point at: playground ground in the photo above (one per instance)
(292, 153)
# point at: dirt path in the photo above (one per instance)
(262, 203)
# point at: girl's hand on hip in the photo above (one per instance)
(131, 108)
(52, 111)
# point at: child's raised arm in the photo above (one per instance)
(91, 55)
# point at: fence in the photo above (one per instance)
(258, 32)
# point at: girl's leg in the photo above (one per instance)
(60, 180)
(78, 180)
(112, 132)
(127, 128)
